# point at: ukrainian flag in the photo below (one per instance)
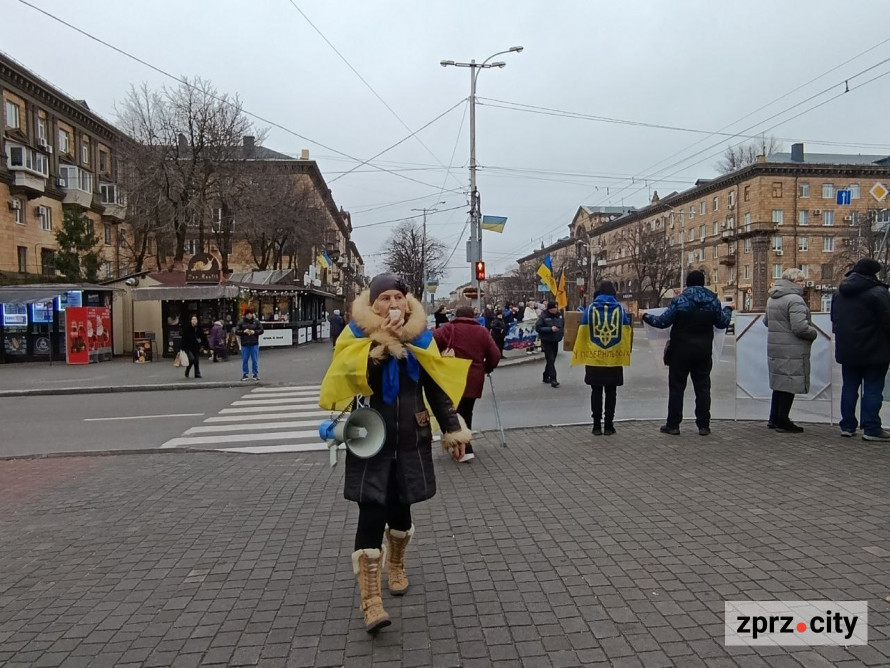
(545, 271)
(324, 260)
(605, 336)
(494, 223)
(562, 299)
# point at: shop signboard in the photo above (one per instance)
(42, 313)
(76, 335)
(70, 298)
(202, 268)
(276, 337)
(15, 315)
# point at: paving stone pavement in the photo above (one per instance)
(562, 550)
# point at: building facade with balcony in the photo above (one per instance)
(743, 229)
(56, 154)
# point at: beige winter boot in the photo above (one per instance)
(396, 543)
(368, 568)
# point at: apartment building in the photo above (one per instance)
(745, 228)
(56, 155)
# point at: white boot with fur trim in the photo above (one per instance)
(450, 440)
(367, 565)
(396, 544)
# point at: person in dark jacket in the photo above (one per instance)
(193, 340)
(218, 342)
(604, 380)
(550, 329)
(692, 316)
(338, 323)
(508, 315)
(499, 329)
(469, 340)
(860, 317)
(440, 316)
(249, 330)
(392, 323)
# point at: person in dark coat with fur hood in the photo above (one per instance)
(387, 354)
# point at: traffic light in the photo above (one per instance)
(480, 271)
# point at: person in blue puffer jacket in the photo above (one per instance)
(692, 315)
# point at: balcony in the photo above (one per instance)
(754, 230)
(113, 200)
(78, 186)
(29, 168)
(728, 260)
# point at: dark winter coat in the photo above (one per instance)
(249, 339)
(607, 375)
(791, 335)
(860, 317)
(441, 319)
(217, 336)
(546, 323)
(337, 325)
(470, 341)
(193, 339)
(407, 451)
(499, 332)
(692, 316)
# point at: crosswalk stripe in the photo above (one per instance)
(260, 409)
(250, 427)
(284, 388)
(235, 438)
(287, 400)
(272, 449)
(281, 395)
(269, 416)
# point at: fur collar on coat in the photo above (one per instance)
(371, 324)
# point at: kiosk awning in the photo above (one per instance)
(184, 292)
(27, 294)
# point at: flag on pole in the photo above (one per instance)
(545, 271)
(562, 299)
(324, 260)
(494, 223)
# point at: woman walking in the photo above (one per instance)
(387, 354)
(440, 316)
(193, 340)
(603, 344)
(791, 335)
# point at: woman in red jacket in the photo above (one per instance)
(469, 340)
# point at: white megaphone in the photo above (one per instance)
(363, 431)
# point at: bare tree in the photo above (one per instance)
(865, 240)
(742, 155)
(188, 139)
(520, 284)
(653, 263)
(411, 254)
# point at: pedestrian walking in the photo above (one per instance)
(860, 318)
(550, 329)
(692, 316)
(791, 335)
(498, 330)
(440, 316)
(604, 344)
(338, 323)
(249, 331)
(388, 355)
(218, 342)
(193, 341)
(469, 340)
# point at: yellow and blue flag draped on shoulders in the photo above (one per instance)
(605, 336)
(545, 271)
(347, 375)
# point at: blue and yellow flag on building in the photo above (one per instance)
(494, 223)
(545, 271)
(325, 260)
(605, 336)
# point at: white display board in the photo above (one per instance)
(325, 330)
(271, 338)
(302, 335)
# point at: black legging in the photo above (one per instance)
(596, 402)
(373, 517)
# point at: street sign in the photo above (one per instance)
(879, 191)
(844, 197)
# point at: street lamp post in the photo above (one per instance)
(423, 247)
(474, 253)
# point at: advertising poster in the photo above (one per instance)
(101, 318)
(76, 335)
(521, 335)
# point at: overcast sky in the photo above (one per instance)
(698, 65)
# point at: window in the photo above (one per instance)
(111, 194)
(85, 150)
(64, 142)
(703, 208)
(731, 198)
(22, 158)
(827, 191)
(777, 188)
(23, 259)
(828, 218)
(18, 211)
(853, 218)
(854, 190)
(748, 245)
(747, 195)
(716, 251)
(730, 222)
(191, 246)
(747, 271)
(803, 217)
(747, 221)
(103, 161)
(804, 189)
(74, 178)
(716, 227)
(777, 243)
(778, 216)
(777, 271)
(691, 211)
(691, 257)
(692, 234)
(827, 244)
(91, 227)
(805, 268)
(13, 115)
(41, 129)
(716, 203)
(107, 227)
(803, 243)
(702, 232)
(48, 261)
(108, 270)
(45, 215)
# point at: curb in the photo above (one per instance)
(516, 361)
(109, 389)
